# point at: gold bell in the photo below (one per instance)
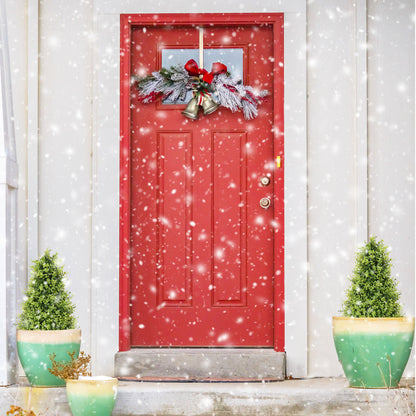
(209, 105)
(191, 110)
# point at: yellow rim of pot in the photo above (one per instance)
(49, 336)
(341, 324)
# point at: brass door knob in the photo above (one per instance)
(265, 202)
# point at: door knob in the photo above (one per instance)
(265, 202)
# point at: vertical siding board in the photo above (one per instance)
(8, 213)
(331, 173)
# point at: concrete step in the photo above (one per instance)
(191, 363)
(313, 397)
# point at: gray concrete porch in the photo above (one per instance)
(319, 396)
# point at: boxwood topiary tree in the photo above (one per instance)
(48, 303)
(373, 291)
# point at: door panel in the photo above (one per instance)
(229, 219)
(202, 264)
(173, 228)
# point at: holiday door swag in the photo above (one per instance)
(209, 89)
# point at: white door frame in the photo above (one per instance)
(106, 169)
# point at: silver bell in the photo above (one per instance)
(209, 105)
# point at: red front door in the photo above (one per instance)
(202, 264)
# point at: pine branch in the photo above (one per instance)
(172, 84)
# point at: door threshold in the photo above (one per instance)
(200, 363)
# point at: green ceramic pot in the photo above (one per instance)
(35, 347)
(92, 395)
(373, 351)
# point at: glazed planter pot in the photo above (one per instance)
(373, 351)
(35, 347)
(92, 395)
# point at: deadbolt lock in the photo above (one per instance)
(265, 181)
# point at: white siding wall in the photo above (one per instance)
(17, 29)
(391, 134)
(391, 118)
(331, 170)
(65, 126)
(73, 144)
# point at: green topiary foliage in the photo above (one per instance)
(373, 292)
(48, 304)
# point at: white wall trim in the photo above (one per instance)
(8, 214)
(33, 131)
(296, 244)
(114, 7)
(105, 229)
(361, 122)
(105, 194)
